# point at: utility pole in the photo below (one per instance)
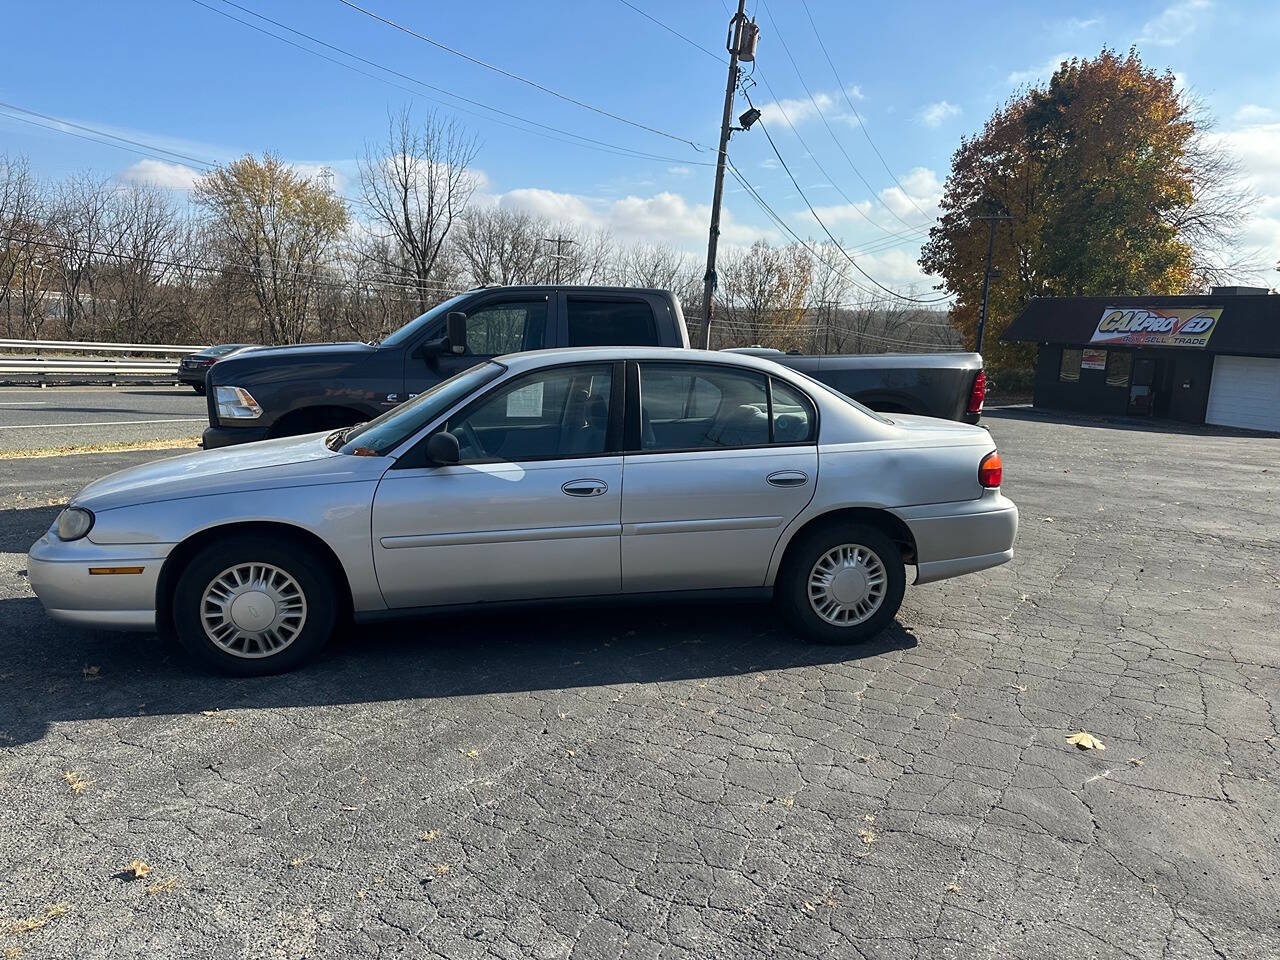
(557, 256)
(828, 309)
(992, 219)
(741, 45)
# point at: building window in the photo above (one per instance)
(1118, 366)
(1069, 370)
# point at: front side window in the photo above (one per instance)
(686, 407)
(562, 412)
(506, 328)
(1069, 368)
(608, 323)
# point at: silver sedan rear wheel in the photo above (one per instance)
(847, 584)
(253, 610)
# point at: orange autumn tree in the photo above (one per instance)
(1112, 188)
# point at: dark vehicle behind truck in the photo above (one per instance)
(284, 391)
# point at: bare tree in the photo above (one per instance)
(27, 264)
(79, 218)
(416, 185)
(500, 246)
(763, 291)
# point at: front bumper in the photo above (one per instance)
(60, 575)
(215, 437)
(963, 537)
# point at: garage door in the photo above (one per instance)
(1245, 392)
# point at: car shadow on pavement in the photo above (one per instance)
(56, 674)
(23, 526)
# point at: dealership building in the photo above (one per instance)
(1203, 359)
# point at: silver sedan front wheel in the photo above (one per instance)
(253, 610)
(847, 584)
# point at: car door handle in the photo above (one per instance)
(585, 488)
(788, 478)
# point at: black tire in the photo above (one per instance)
(311, 578)
(198, 388)
(792, 590)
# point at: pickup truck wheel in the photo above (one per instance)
(842, 584)
(250, 606)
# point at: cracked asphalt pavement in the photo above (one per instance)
(691, 781)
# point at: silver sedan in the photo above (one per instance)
(541, 476)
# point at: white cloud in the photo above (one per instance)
(1257, 147)
(1252, 113)
(663, 217)
(921, 191)
(1042, 72)
(796, 110)
(1174, 23)
(1077, 24)
(679, 171)
(160, 173)
(936, 114)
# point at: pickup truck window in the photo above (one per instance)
(383, 434)
(611, 323)
(415, 326)
(507, 327)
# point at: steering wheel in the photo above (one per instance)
(471, 438)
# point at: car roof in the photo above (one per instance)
(533, 359)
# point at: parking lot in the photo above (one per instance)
(671, 782)
(57, 417)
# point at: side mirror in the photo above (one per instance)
(443, 449)
(455, 331)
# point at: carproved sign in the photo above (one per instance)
(1156, 326)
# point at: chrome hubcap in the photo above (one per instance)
(847, 584)
(253, 610)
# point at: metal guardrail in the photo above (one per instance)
(155, 361)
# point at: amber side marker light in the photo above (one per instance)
(107, 571)
(991, 470)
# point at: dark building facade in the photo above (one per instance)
(1202, 359)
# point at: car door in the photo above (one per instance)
(720, 459)
(494, 328)
(532, 510)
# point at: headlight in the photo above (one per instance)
(73, 523)
(237, 403)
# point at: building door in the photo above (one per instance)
(1245, 392)
(1141, 386)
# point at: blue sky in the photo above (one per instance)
(920, 74)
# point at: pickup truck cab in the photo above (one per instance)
(286, 391)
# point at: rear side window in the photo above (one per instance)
(611, 323)
(793, 418)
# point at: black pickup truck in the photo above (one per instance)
(283, 391)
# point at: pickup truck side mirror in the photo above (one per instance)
(454, 339)
(443, 449)
(455, 327)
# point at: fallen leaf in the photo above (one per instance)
(1046, 519)
(869, 817)
(867, 836)
(953, 888)
(361, 894)
(1086, 741)
(1136, 761)
(787, 801)
(572, 753)
(36, 921)
(136, 870)
(77, 782)
(472, 753)
(297, 862)
(164, 886)
(350, 808)
(91, 673)
(442, 869)
(429, 835)
(1019, 687)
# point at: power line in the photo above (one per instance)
(829, 234)
(861, 126)
(603, 146)
(525, 80)
(60, 124)
(799, 76)
(674, 32)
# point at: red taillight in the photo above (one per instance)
(991, 470)
(978, 393)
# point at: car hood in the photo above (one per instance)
(271, 364)
(268, 464)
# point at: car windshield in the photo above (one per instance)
(417, 325)
(383, 434)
